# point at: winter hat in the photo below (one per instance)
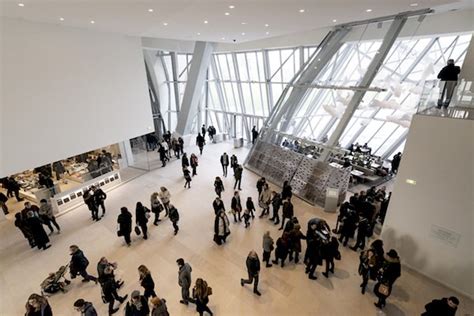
(135, 293)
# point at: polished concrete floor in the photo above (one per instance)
(285, 291)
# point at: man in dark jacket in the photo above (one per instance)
(396, 162)
(109, 290)
(78, 264)
(362, 233)
(85, 308)
(174, 218)
(236, 206)
(13, 187)
(90, 201)
(260, 184)
(448, 77)
(184, 281)
(253, 269)
(238, 176)
(443, 307)
(138, 305)
(224, 163)
(254, 134)
(276, 203)
(218, 205)
(200, 142)
(36, 227)
(3, 203)
(287, 212)
(125, 225)
(99, 197)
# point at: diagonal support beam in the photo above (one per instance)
(196, 79)
(375, 64)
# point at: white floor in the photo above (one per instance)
(285, 291)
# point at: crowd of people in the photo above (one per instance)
(359, 214)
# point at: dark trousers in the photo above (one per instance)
(237, 181)
(283, 222)
(237, 217)
(47, 221)
(157, 217)
(127, 238)
(167, 208)
(311, 268)
(112, 299)
(329, 265)
(144, 231)
(187, 184)
(102, 205)
(194, 171)
(365, 280)
(4, 207)
(95, 213)
(266, 257)
(275, 215)
(149, 293)
(360, 243)
(344, 239)
(219, 193)
(185, 295)
(224, 170)
(17, 194)
(86, 276)
(254, 279)
(200, 150)
(175, 226)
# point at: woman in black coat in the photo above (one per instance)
(141, 218)
(37, 305)
(390, 272)
(39, 235)
(146, 281)
(218, 186)
(124, 221)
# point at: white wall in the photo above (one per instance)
(467, 70)
(439, 156)
(67, 91)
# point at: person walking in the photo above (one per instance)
(287, 191)
(330, 251)
(267, 248)
(165, 197)
(236, 206)
(174, 218)
(218, 186)
(187, 178)
(224, 163)
(448, 77)
(137, 306)
(370, 262)
(287, 212)
(295, 236)
(276, 203)
(79, 264)
(260, 184)
(124, 221)
(25, 229)
(184, 280)
(39, 235)
(13, 187)
(184, 161)
(38, 305)
(194, 164)
(90, 201)
(362, 233)
(3, 203)
(201, 292)
(265, 199)
(159, 307)
(253, 270)
(146, 281)
(281, 251)
(218, 205)
(233, 162)
(349, 225)
(200, 142)
(250, 207)
(109, 290)
(46, 214)
(99, 198)
(221, 228)
(156, 207)
(396, 162)
(254, 134)
(442, 307)
(246, 217)
(390, 272)
(238, 176)
(85, 308)
(162, 153)
(203, 130)
(141, 218)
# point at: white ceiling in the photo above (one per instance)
(186, 18)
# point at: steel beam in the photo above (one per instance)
(192, 94)
(375, 64)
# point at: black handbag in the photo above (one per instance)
(119, 233)
(137, 230)
(217, 239)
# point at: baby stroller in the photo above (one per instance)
(55, 282)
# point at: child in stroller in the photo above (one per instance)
(53, 283)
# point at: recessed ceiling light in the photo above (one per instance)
(368, 10)
(267, 33)
(243, 33)
(206, 21)
(165, 23)
(150, 10)
(61, 19)
(227, 13)
(334, 20)
(198, 33)
(301, 10)
(267, 25)
(231, 6)
(244, 23)
(414, 4)
(92, 22)
(223, 38)
(21, 4)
